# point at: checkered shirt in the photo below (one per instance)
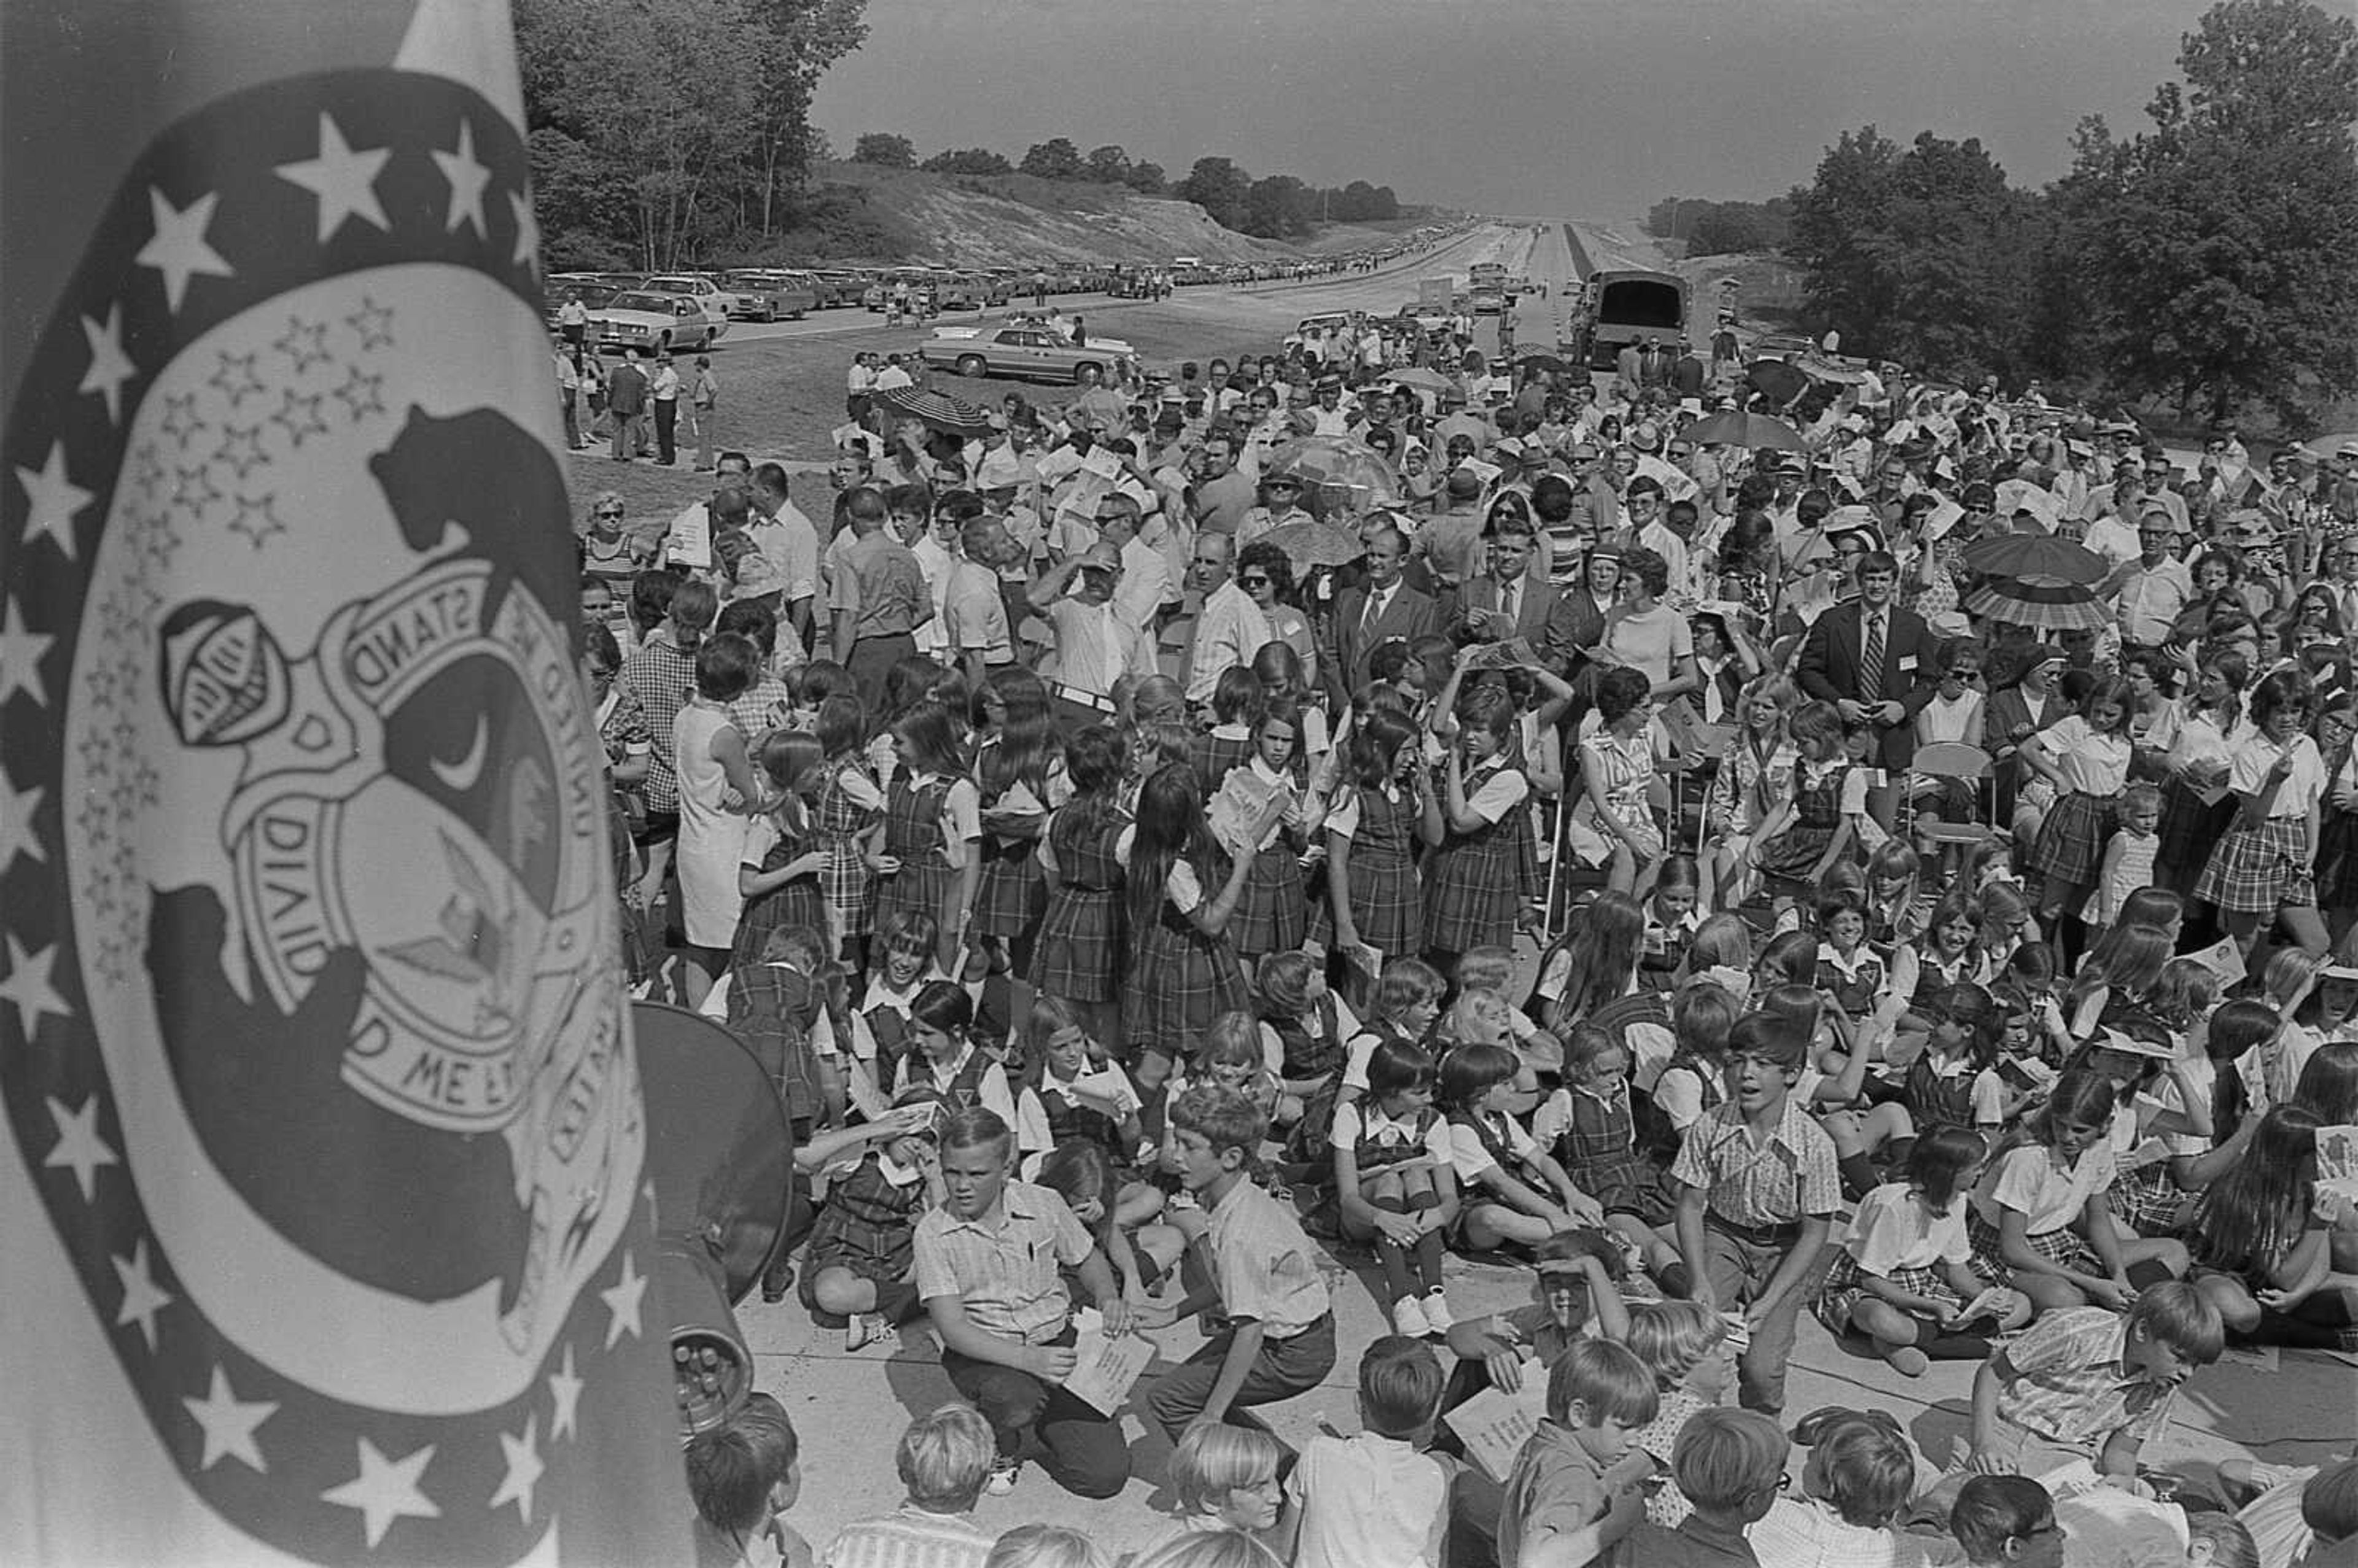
(2065, 1380)
(1777, 1182)
(1009, 1271)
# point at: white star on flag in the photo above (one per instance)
(528, 240)
(79, 1147)
(178, 251)
(109, 367)
(228, 1424)
(524, 1468)
(142, 1297)
(386, 1490)
(17, 835)
(55, 499)
(21, 654)
(621, 1299)
(343, 179)
(29, 990)
(467, 177)
(564, 1398)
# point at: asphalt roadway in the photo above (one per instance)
(2292, 1407)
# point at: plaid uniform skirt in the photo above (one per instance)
(1078, 954)
(850, 1236)
(1470, 891)
(1271, 913)
(918, 887)
(1387, 901)
(2337, 859)
(2188, 828)
(2071, 847)
(2062, 1246)
(798, 902)
(1011, 895)
(1845, 1284)
(2257, 870)
(2148, 1201)
(1181, 981)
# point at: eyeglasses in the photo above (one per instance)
(615, 512)
(1258, 579)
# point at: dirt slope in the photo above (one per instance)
(1006, 220)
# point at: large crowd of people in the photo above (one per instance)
(1887, 854)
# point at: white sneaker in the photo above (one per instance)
(1408, 1318)
(1003, 1476)
(1436, 1314)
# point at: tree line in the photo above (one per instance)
(1276, 206)
(2208, 263)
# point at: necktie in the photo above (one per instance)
(1870, 662)
(1508, 602)
(1375, 613)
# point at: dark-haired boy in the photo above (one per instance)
(1264, 1276)
(1730, 1465)
(1761, 1188)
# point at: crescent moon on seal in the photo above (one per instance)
(461, 776)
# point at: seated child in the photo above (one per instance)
(2039, 1223)
(1045, 1546)
(945, 1461)
(943, 1057)
(773, 1005)
(880, 1176)
(1306, 1029)
(1226, 1478)
(1573, 1297)
(903, 959)
(1671, 922)
(1378, 1499)
(1515, 1193)
(2091, 1383)
(1494, 969)
(1118, 1211)
(1599, 1395)
(1730, 1466)
(1904, 1278)
(1406, 1006)
(1694, 1079)
(1591, 1125)
(1860, 1473)
(1396, 1183)
(1685, 1345)
(743, 1474)
(2007, 1522)
(1280, 1335)
(990, 1265)
(1071, 1088)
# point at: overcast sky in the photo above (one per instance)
(1545, 108)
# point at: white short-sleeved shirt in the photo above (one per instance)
(1472, 1160)
(1895, 1228)
(2090, 763)
(1678, 1095)
(1988, 1089)
(1347, 1028)
(1368, 1501)
(1359, 1121)
(2033, 1183)
(1499, 793)
(2247, 774)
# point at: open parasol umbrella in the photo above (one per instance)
(1420, 379)
(1541, 359)
(1342, 474)
(1740, 427)
(2042, 603)
(940, 411)
(2034, 555)
(1777, 381)
(1315, 544)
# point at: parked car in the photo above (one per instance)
(764, 294)
(1021, 350)
(839, 287)
(650, 318)
(716, 301)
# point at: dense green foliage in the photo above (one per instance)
(2208, 263)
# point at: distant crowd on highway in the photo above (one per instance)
(1756, 837)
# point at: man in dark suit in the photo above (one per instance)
(1877, 662)
(1512, 601)
(1381, 610)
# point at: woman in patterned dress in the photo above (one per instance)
(844, 808)
(924, 853)
(1019, 774)
(1372, 842)
(1078, 957)
(1615, 822)
(1183, 974)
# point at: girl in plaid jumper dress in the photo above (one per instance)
(1904, 1276)
(2086, 757)
(924, 853)
(1183, 974)
(844, 808)
(1274, 915)
(1078, 957)
(2262, 870)
(1474, 882)
(882, 1176)
(1807, 832)
(779, 874)
(1238, 702)
(1593, 1125)
(1371, 840)
(1311, 1030)
(1019, 754)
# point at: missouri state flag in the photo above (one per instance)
(327, 1230)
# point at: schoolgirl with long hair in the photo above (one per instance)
(1079, 957)
(1387, 805)
(778, 872)
(2258, 1238)
(1594, 962)
(925, 851)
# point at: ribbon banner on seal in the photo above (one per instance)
(321, 1162)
